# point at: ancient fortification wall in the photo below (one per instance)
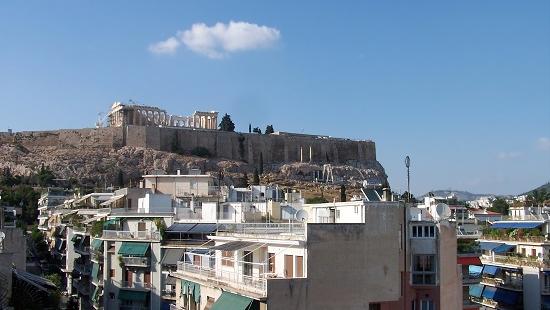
(237, 146)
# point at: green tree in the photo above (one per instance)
(249, 128)
(316, 199)
(257, 130)
(538, 197)
(120, 178)
(45, 176)
(343, 197)
(256, 178)
(227, 124)
(269, 129)
(261, 163)
(499, 205)
(54, 278)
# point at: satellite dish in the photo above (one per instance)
(301, 215)
(443, 211)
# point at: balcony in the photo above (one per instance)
(83, 250)
(514, 285)
(518, 261)
(280, 231)
(169, 294)
(82, 287)
(136, 261)
(534, 239)
(257, 286)
(83, 269)
(467, 279)
(142, 286)
(131, 235)
(96, 256)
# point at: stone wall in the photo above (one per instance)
(236, 146)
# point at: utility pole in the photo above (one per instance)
(408, 165)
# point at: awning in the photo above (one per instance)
(180, 228)
(97, 244)
(188, 228)
(95, 271)
(233, 246)
(172, 256)
(191, 288)
(474, 271)
(203, 229)
(488, 246)
(476, 290)
(489, 292)
(134, 248)
(469, 260)
(503, 248)
(518, 224)
(506, 296)
(232, 301)
(490, 270)
(111, 200)
(132, 295)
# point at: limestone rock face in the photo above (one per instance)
(101, 165)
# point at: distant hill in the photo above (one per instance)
(461, 195)
(545, 187)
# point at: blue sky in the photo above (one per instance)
(463, 87)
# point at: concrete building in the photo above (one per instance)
(379, 265)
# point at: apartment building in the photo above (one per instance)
(302, 266)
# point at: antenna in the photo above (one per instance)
(408, 165)
(443, 211)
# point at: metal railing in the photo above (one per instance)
(264, 228)
(500, 282)
(134, 285)
(468, 279)
(131, 235)
(537, 239)
(83, 269)
(518, 261)
(136, 261)
(82, 249)
(236, 280)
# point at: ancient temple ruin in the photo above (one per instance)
(140, 115)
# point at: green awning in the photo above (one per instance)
(132, 295)
(95, 270)
(232, 301)
(191, 288)
(94, 294)
(97, 244)
(134, 248)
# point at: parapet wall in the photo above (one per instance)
(236, 146)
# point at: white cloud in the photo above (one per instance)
(221, 39)
(508, 155)
(168, 46)
(543, 143)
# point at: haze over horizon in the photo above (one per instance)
(462, 88)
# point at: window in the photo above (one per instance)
(111, 295)
(523, 252)
(546, 281)
(337, 214)
(299, 266)
(534, 252)
(129, 203)
(374, 306)
(427, 304)
(196, 260)
(141, 226)
(147, 278)
(423, 270)
(271, 259)
(227, 258)
(112, 273)
(356, 209)
(423, 231)
(289, 266)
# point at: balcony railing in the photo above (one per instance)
(518, 261)
(82, 250)
(83, 269)
(264, 228)
(131, 235)
(499, 282)
(536, 239)
(134, 285)
(257, 285)
(467, 279)
(136, 261)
